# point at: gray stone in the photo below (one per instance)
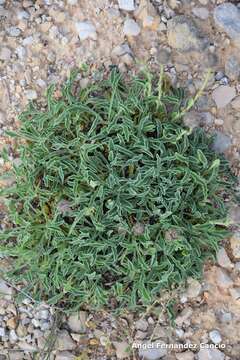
(64, 341)
(219, 75)
(223, 259)
(140, 335)
(141, 324)
(31, 94)
(5, 54)
(221, 142)
(187, 355)
(5, 290)
(155, 351)
(184, 317)
(232, 67)
(210, 354)
(43, 314)
(13, 336)
(223, 95)
(131, 28)
(127, 5)
(64, 355)
(2, 332)
(235, 293)
(121, 50)
(77, 322)
(215, 336)
(184, 35)
(122, 349)
(235, 245)
(21, 52)
(194, 288)
(225, 317)
(86, 30)
(13, 31)
(223, 280)
(227, 17)
(201, 12)
(224, 81)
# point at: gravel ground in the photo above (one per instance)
(40, 42)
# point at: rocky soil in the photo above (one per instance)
(40, 42)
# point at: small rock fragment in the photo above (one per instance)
(85, 30)
(236, 103)
(184, 317)
(232, 67)
(64, 355)
(210, 354)
(13, 31)
(235, 245)
(187, 355)
(77, 322)
(127, 5)
(215, 336)
(223, 259)
(227, 17)
(31, 94)
(121, 50)
(5, 54)
(64, 341)
(194, 288)
(122, 349)
(201, 12)
(221, 142)
(131, 28)
(223, 280)
(141, 325)
(5, 290)
(223, 95)
(155, 352)
(235, 293)
(184, 35)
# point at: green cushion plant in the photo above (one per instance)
(115, 199)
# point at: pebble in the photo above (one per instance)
(187, 355)
(5, 290)
(219, 75)
(2, 332)
(225, 317)
(194, 288)
(227, 17)
(215, 336)
(235, 293)
(141, 325)
(13, 31)
(223, 259)
(232, 67)
(13, 336)
(121, 50)
(122, 349)
(236, 103)
(86, 30)
(153, 353)
(184, 317)
(201, 12)
(184, 35)
(235, 245)
(131, 28)
(5, 54)
(64, 355)
(223, 280)
(223, 95)
(77, 322)
(210, 354)
(31, 94)
(127, 5)
(64, 341)
(221, 142)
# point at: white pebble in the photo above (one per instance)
(131, 28)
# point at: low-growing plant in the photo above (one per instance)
(115, 199)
